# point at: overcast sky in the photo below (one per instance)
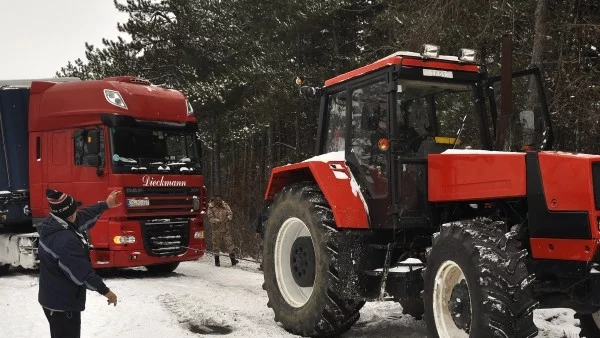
(40, 36)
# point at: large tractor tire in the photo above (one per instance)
(589, 324)
(477, 284)
(299, 265)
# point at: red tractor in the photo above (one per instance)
(435, 187)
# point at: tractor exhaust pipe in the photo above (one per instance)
(506, 92)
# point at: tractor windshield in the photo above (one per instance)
(444, 112)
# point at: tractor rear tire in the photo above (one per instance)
(162, 269)
(477, 284)
(589, 324)
(4, 269)
(300, 265)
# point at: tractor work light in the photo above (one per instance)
(124, 239)
(467, 55)
(114, 97)
(430, 51)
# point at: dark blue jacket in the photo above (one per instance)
(65, 266)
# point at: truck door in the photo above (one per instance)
(59, 170)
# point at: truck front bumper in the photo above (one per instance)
(134, 258)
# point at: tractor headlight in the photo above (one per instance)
(430, 51)
(114, 97)
(468, 55)
(198, 234)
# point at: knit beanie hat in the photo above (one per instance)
(61, 204)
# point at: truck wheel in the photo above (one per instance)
(477, 284)
(589, 324)
(413, 307)
(162, 269)
(299, 265)
(4, 269)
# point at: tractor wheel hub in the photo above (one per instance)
(302, 261)
(460, 306)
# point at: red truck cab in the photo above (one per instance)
(88, 138)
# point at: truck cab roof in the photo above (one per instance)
(26, 83)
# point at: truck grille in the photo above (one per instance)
(161, 201)
(165, 237)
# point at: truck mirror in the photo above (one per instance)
(93, 141)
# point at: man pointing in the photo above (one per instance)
(65, 266)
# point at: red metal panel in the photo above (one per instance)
(476, 176)
(564, 249)
(387, 61)
(438, 64)
(347, 206)
(567, 181)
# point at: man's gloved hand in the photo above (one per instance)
(111, 298)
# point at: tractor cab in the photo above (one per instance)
(388, 117)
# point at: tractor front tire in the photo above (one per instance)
(589, 324)
(300, 265)
(477, 284)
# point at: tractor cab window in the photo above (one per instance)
(336, 123)
(369, 125)
(434, 116)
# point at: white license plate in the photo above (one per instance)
(138, 203)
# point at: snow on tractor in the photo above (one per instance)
(434, 187)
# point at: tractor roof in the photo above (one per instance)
(408, 59)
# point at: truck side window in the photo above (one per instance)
(82, 155)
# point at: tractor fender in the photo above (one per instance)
(335, 181)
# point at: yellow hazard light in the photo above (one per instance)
(446, 140)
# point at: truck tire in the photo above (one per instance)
(299, 265)
(162, 269)
(589, 324)
(4, 269)
(475, 263)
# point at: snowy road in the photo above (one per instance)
(199, 297)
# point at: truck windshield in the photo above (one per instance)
(151, 150)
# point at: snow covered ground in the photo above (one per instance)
(202, 300)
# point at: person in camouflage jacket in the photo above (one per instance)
(219, 217)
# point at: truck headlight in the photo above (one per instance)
(114, 97)
(124, 239)
(198, 234)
